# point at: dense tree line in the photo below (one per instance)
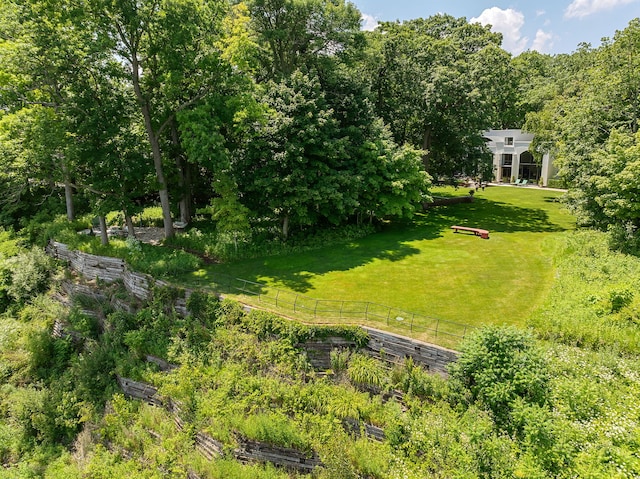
(285, 110)
(279, 109)
(585, 109)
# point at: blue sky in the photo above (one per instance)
(548, 26)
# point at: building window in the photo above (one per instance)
(508, 141)
(526, 158)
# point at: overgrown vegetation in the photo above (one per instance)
(260, 241)
(594, 302)
(513, 406)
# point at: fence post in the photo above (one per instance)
(341, 306)
(411, 327)
(277, 294)
(315, 310)
(294, 303)
(388, 316)
(366, 312)
(437, 325)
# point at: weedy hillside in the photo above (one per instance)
(517, 403)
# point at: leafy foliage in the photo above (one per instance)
(26, 275)
(499, 366)
(588, 119)
(433, 85)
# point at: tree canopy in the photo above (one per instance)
(285, 110)
(586, 115)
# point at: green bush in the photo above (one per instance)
(203, 307)
(9, 244)
(414, 380)
(162, 262)
(624, 238)
(496, 367)
(41, 228)
(150, 216)
(26, 274)
(339, 359)
(556, 183)
(263, 241)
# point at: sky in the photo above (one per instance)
(547, 26)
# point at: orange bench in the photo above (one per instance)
(476, 231)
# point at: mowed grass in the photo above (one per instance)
(422, 266)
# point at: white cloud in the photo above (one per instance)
(583, 8)
(508, 22)
(543, 42)
(369, 23)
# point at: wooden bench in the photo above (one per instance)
(476, 231)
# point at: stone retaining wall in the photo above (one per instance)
(247, 450)
(443, 201)
(394, 348)
(386, 346)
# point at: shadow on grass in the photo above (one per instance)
(296, 275)
(491, 215)
(392, 243)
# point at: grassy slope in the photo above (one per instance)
(425, 268)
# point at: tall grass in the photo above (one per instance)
(595, 300)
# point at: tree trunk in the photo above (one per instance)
(104, 237)
(186, 203)
(129, 221)
(426, 146)
(285, 227)
(184, 177)
(68, 196)
(163, 190)
(68, 192)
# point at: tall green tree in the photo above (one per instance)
(595, 99)
(291, 168)
(167, 48)
(297, 34)
(78, 124)
(433, 85)
(41, 52)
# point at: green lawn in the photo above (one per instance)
(423, 267)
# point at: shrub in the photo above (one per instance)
(339, 359)
(162, 262)
(556, 183)
(497, 366)
(624, 238)
(27, 274)
(230, 312)
(150, 216)
(264, 241)
(414, 380)
(41, 228)
(9, 245)
(204, 307)
(592, 302)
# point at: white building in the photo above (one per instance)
(513, 161)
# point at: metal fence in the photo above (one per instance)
(357, 312)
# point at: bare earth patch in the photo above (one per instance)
(151, 235)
